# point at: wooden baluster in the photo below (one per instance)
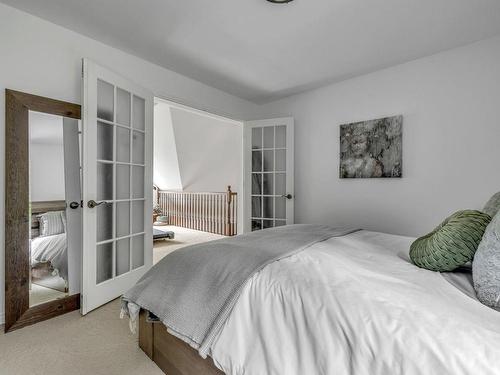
(203, 212)
(206, 213)
(191, 198)
(212, 209)
(219, 213)
(195, 214)
(209, 214)
(234, 217)
(222, 217)
(226, 229)
(188, 209)
(197, 207)
(215, 213)
(229, 211)
(235, 220)
(199, 212)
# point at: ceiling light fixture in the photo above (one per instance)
(280, 1)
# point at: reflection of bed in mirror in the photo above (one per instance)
(48, 249)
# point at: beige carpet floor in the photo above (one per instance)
(98, 343)
(183, 237)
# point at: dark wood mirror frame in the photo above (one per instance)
(17, 221)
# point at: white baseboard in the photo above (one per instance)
(2, 318)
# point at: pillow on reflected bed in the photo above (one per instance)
(51, 223)
(486, 266)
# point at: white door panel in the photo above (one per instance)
(117, 185)
(269, 173)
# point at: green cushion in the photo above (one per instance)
(452, 244)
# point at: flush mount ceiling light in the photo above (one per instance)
(280, 1)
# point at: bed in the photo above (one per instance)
(48, 253)
(51, 251)
(349, 304)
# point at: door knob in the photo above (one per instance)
(287, 196)
(92, 203)
(74, 205)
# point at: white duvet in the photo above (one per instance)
(53, 249)
(355, 305)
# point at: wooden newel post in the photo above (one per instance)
(228, 218)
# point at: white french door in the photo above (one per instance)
(268, 173)
(117, 185)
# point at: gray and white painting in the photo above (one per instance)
(372, 149)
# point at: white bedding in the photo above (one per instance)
(355, 305)
(51, 249)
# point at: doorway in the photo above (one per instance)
(198, 175)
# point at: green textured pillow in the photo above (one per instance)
(452, 244)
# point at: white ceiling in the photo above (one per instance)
(262, 51)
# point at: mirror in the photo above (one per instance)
(53, 154)
(43, 223)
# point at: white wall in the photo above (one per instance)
(44, 59)
(46, 172)
(166, 174)
(451, 150)
(209, 151)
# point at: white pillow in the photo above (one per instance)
(493, 205)
(486, 266)
(51, 223)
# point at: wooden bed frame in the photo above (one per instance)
(172, 355)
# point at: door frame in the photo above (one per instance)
(247, 164)
(202, 112)
(18, 313)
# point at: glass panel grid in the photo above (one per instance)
(268, 206)
(121, 171)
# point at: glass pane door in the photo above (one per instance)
(120, 181)
(117, 176)
(270, 175)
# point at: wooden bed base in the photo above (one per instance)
(173, 356)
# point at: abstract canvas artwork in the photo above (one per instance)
(372, 149)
